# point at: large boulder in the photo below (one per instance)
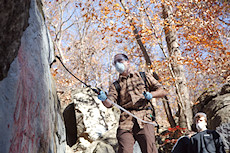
(95, 124)
(30, 117)
(90, 126)
(216, 104)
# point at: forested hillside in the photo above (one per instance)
(57, 58)
(187, 43)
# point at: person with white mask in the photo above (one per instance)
(201, 121)
(205, 141)
(134, 97)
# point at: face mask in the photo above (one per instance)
(200, 126)
(120, 67)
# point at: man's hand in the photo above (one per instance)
(102, 96)
(148, 95)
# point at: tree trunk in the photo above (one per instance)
(177, 69)
(149, 63)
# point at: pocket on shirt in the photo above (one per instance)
(140, 87)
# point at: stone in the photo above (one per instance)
(136, 148)
(224, 131)
(217, 110)
(14, 20)
(30, 116)
(225, 89)
(216, 104)
(97, 119)
(96, 125)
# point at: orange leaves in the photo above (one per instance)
(166, 23)
(78, 5)
(116, 5)
(119, 29)
(118, 41)
(146, 31)
(107, 23)
(54, 73)
(132, 27)
(105, 11)
(179, 7)
(106, 8)
(193, 37)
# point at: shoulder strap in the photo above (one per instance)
(143, 76)
(118, 88)
(156, 76)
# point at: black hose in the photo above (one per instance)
(95, 90)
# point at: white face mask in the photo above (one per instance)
(120, 67)
(201, 126)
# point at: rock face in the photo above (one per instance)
(95, 124)
(224, 130)
(14, 20)
(217, 107)
(30, 117)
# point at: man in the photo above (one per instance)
(135, 98)
(205, 141)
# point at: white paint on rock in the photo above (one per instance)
(96, 116)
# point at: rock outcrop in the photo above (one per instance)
(95, 124)
(216, 104)
(90, 126)
(30, 117)
(14, 20)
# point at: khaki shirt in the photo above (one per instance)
(132, 98)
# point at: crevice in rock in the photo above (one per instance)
(70, 124)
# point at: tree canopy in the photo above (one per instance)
(87, 34)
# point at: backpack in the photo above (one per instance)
(143, 76)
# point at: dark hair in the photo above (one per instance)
(119, 58)
(125, 56)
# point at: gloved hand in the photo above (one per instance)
(148, 95)
(102, 96)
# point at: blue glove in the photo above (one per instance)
(148, 95)
(102, 96)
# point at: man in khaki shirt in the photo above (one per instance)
(135, 98)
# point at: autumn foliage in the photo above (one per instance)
(86, 35)
(169, 138)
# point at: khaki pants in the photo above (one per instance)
(145, 137)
